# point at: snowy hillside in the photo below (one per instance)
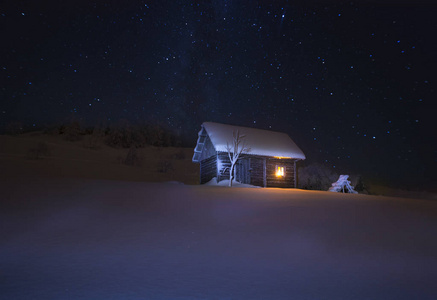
(65, 159)
(97, 239)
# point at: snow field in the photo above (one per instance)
(96, 239)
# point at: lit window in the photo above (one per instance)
(280, 171)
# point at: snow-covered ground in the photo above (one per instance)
(97, 239)
(225, 182)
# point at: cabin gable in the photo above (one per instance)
(204, 147)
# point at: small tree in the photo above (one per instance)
(72, 132)
(39, 151)
(234, 152)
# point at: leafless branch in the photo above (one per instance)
(234, 151)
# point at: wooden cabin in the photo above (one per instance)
(269, 162)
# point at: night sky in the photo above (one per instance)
(353, 83)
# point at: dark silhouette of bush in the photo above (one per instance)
(93, 139)
(160, 137)
(71, 132)
(39, 151)
(125, 135)
(132, 158)
(14, 128)
(165, 166)
(361, 186)
(156, 136)
(316, 177)
(179, 155)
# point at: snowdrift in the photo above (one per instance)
(97, 239)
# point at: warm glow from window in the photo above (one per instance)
(280, 171)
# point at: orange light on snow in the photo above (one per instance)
(280, 171)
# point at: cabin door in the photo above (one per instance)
(243, 170)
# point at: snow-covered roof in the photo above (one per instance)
(260, 142)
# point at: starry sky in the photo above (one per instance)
(352, 82)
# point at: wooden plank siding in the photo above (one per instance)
(208, 169)
(223, 166)
(286, 181)
(262, 170)
(256, 170)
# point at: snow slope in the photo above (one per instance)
(97, 239)
(73, 160)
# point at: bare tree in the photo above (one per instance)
(234, 152)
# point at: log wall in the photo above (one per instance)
(256, 170)
(286, 181)
(208, 169)
(223, 166)
(262, 170)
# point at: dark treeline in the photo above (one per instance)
(123, 134)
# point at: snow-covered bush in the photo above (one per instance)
(342, 185)
(316, 177)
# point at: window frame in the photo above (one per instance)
(280, 171)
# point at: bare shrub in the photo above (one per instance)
(361, 185)
(52, 130)
(180, 155)
(158, 136)
(39, 151)
(155, 135)
(132, 158)
(14, 128)
(125, 136)
(114, 138)
(165, 166)
(235, 149)
(316, 177)
(92, 141)
(72, 132)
